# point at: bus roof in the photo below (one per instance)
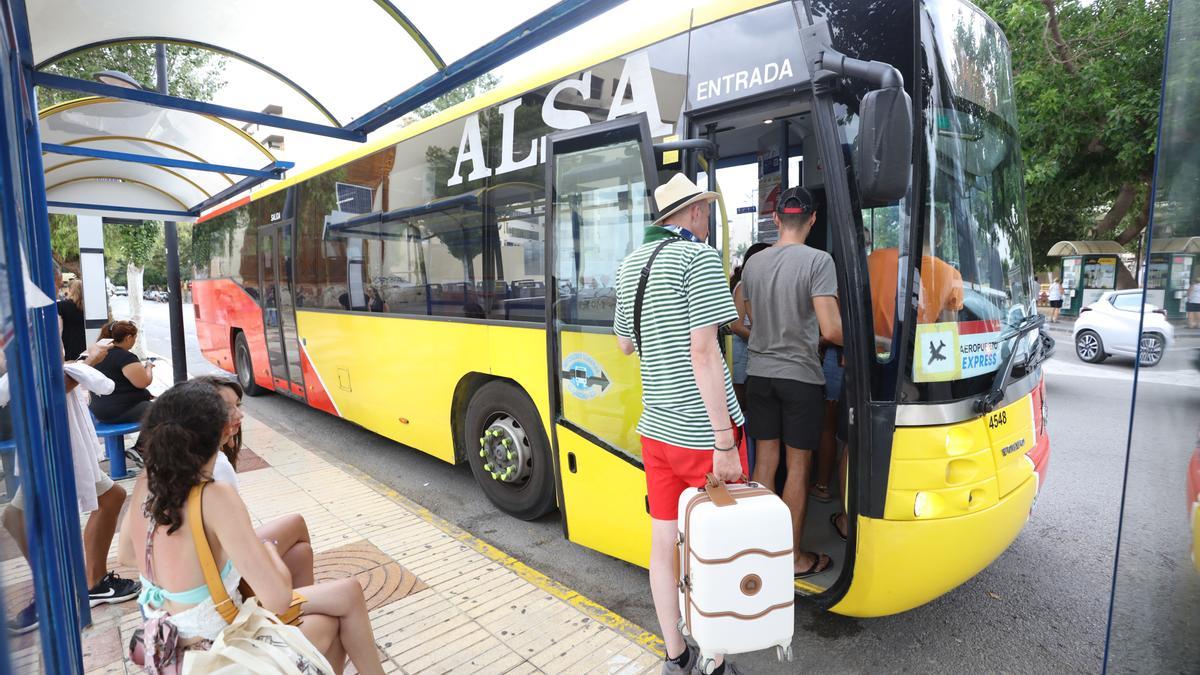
(712, 11)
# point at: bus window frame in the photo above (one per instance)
(567, 141)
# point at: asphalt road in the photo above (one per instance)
(1041, 607)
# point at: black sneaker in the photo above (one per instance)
(113, 589)
(25, 620)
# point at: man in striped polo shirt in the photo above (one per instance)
(690, 422)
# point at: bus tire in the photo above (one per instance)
(508, 451)
(243, 366)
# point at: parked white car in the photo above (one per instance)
(1109, 327)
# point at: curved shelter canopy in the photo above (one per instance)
(1176, 245)
(111, 127)
(360, 63)
(310, 45)
(1098, 247)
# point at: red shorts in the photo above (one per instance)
(671, 469)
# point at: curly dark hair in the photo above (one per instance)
(234, 447)
(180, 434)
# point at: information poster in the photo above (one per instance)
(1181, 272)
(1156, 275)
(1100, 273)
(956, 351)
(769, 186)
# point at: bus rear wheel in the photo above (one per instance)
(244, 366)
(508, 451)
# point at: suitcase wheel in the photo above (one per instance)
(706, 665)
(683, 628)
(783, 653)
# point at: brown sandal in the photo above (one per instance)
(833, 520)
(821, 493)
(817, 567)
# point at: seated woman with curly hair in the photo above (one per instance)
(290, 532)
(182, 434)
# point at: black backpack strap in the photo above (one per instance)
(639, 299)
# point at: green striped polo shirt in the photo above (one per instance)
(687, 290)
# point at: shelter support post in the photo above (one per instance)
(91, 273)
(171, 235)
(35, 362)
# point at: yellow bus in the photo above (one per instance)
(451, 286)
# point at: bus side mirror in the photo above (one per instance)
(884, 145)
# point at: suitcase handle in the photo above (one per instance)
(717, 492)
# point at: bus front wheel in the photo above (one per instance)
(244, 366)
(508, 451)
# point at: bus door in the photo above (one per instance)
(275, 245)
(600, 180)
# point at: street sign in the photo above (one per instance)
(747, 209)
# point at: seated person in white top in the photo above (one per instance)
(182, 434)
(289, 533)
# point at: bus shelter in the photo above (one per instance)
(1174, 266)
(1087, 270)
(124, 151)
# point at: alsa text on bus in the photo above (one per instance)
(634, 94)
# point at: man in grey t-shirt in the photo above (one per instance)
(792, 294)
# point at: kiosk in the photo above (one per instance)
(1173, 266)
(1088, 270)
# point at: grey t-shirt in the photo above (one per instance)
(780, 283)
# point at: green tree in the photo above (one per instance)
(64, 239)
(131, 249)
(1087, 76)
(453, 97)
(135, 245)
(192, 72)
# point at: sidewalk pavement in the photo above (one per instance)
(440, 599)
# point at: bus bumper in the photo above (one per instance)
(900, 565)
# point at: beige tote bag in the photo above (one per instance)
(257, 642)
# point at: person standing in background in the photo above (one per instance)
(70, 310)
(1055, 296)
(792, 293)
(741, 339)
(1193, 302)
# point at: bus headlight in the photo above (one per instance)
(921, 504)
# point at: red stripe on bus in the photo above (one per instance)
(224, 209)
(977, 327)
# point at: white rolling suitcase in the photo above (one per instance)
(736, 588)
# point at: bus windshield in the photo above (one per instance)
(976, 280)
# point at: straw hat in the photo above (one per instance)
(678, 193)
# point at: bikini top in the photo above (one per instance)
(153, 596)
(205, 619)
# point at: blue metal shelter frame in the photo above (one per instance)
(33, 349)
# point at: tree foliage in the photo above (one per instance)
(64, 238)
(191, 72)
(453, 97)
(1088, 79)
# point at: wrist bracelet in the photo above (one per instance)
(717, 431)
(724, 449)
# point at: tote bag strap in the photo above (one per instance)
(212, 577)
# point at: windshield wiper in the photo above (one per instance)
(990, 400)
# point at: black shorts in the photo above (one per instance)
(1193, 307)
(790, 410)
(1057, 304)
